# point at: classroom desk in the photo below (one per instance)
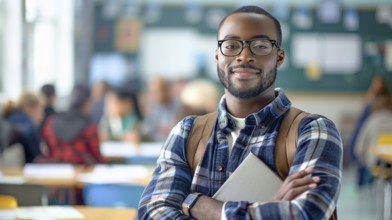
(107, 213)
(125, 152)
(89, 213)
(72, 182)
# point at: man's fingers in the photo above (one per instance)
(300, 174)
(295, 192)
(303, 181)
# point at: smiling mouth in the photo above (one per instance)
(245, 73)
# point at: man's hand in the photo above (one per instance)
(296, 184)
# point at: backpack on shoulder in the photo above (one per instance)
(285, 149)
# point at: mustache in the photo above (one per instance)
(247, 66)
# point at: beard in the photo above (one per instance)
(266, 80)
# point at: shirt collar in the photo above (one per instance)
(263, 117)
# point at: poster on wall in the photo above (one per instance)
(127, 35)
(334, 53)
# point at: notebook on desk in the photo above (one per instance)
(252, 181)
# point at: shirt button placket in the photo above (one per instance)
(219, 168)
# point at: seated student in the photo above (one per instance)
(199, 97)
(162, 109)
(25, 116)
(379, 122)
(48, 92)
(122, 116)
(377, 88)
(71, 136)
(99, 91)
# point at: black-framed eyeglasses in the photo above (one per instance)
(258, 47)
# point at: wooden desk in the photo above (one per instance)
(107, 213)
(71, 182)
(89, 213)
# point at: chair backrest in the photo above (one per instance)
(8, 202)
(26, 194)
(13, 156)
(112, 195)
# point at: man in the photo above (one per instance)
(249, 117)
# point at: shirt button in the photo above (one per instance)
(219, 168)
(263, 126)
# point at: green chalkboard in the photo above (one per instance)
(290, 78)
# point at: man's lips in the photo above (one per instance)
(244, 73)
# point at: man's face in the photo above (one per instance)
(245, 75)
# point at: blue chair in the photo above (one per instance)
(112, 195)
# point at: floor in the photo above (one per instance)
(358, 204)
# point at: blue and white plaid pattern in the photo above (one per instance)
(319, 146)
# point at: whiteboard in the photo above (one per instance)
(169, 52)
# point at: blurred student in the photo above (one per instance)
(162, 111)
(48, 92)
(379, 122)
(376, 89)
(122, 117)
(199, 97)
(72, 136)
(99, 91)
(25, 116)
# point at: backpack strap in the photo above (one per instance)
(286, 142)
(198, 138)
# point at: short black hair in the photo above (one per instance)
(48, 90)
(256, 10)
(79, 96)
(124, 92)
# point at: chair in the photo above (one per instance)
(8, 202)
(112, 195)
(26, 194)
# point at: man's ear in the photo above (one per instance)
(280, 57)
(216, 55)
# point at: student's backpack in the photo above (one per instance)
(286, 141)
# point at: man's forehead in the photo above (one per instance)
(248, 21)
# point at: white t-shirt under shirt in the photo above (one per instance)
(239, 124)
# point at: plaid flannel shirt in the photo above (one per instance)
(319, 146)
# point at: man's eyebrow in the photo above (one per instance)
(261, 36)
(254, 37)
(231, 37)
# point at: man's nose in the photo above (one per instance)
(246, 55)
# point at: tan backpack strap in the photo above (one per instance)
(198, 138)
(286, 142)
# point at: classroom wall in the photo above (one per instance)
(343, 109)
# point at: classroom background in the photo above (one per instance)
(149, 63)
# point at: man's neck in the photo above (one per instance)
(241, 108)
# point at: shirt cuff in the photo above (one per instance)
(223, 213)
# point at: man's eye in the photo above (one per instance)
(231, 47)
(260, 47)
